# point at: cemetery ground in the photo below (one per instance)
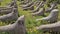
(30, 21)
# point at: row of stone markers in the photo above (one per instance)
(11, 13)
(40, 10)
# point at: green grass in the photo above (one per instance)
(29, 19)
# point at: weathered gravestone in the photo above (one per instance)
(30, 7)
(27, 5)
(55, 28)
(53, 5)
(11, 16)
(39, 13)
(5, 10)
(26, 1)
(53, 16)
(37, 9)
(16, 28)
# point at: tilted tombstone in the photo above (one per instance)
(53, 16)
(31, 7)
(51, 8)
(26, 1)
(55, 27)
(11, 16)
(12, 3)
(27, 5)
(38, 2)
(5, 10)
(39, 13)
(16, 28)
(37, 9)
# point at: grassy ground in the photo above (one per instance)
(29, 19)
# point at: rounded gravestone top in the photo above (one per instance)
(54, 10)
